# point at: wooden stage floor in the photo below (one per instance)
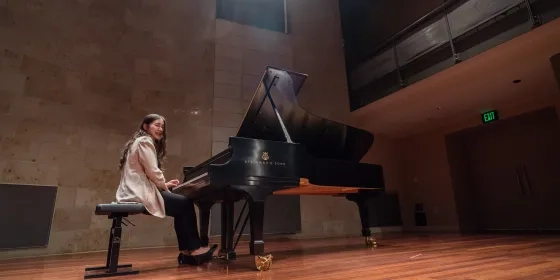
(396, 257)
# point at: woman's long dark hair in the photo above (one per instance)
(161, 147)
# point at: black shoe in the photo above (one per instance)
(197, 259)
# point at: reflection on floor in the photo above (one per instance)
(403, 256)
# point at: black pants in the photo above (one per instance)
(182, 209)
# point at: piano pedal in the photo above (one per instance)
(227, 256)
(222, 258)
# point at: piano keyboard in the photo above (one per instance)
(190, 183)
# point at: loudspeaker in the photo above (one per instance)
(26, 215)
(555, 62)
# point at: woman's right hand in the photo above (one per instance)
(171, 184)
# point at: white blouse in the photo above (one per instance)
(141, 177)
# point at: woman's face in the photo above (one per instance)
(155, 129)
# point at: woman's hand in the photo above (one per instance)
(171, 184)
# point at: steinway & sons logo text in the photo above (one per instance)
(265, 160)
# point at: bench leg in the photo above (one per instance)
(112, 267)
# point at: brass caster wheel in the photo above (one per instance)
(263, 263)
(370, 241)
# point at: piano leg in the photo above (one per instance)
(256, 246)
(256, 200)
(365, 203)
(256, 210)
(227, 252)
(204, 221)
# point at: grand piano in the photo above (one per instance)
(281, 149)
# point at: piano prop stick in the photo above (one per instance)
(281, 149)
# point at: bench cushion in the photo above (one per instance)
(122, 208)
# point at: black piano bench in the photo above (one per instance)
(117, 212)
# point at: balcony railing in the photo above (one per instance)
(451, 33)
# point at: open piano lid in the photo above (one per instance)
(322, 138)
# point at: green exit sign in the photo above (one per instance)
(489, 116)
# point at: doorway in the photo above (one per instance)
(506, 174)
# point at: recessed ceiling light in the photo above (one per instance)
(516, 81)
